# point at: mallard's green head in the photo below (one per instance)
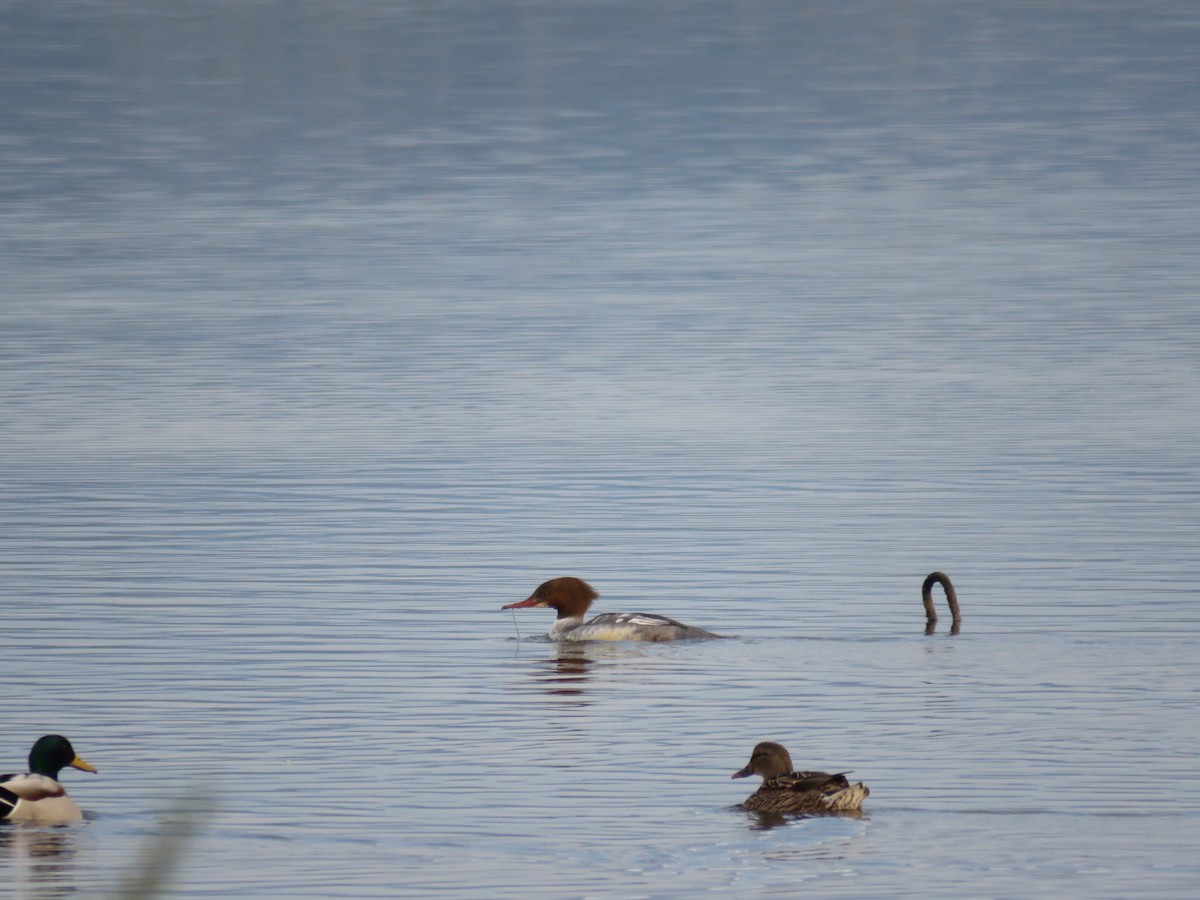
(52, 753)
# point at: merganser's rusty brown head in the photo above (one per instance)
(769, 759)
(569, 596)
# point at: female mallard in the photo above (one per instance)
(37, 796)
(785, 791)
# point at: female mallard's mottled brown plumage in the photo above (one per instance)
(784, 790)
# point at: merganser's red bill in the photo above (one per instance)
(524, 604)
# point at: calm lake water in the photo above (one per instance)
(329, 328)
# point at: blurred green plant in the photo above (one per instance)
(161, 856)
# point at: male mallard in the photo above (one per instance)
(37, 796)
(785, 790)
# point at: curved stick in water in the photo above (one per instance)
(927, 598)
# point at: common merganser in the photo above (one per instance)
(571, 597)
(786, 791)
(37, 796)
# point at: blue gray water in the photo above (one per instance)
(327, 329)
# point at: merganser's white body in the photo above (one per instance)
(624, 627)
(571, 597)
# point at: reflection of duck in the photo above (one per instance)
(46, 851)
(951, 598)
(572, 597)
(37, 796)
(784, 790)
(564, 674)
(570, 665)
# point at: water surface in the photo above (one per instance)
(328, 329)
